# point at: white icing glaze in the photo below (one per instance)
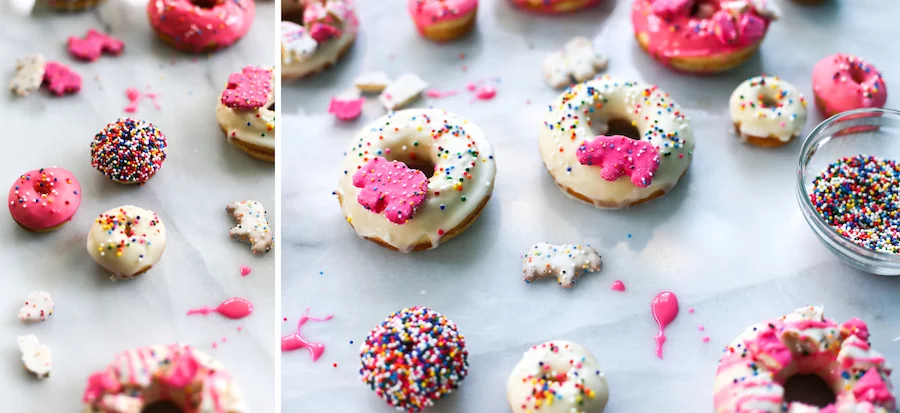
(29, 74)
(566, 262)
(658, 119)
(126, 240)
(254, 126)
(463, 177)
(782, 121)
(252, 225)
(578, 60)
(297, 58)
(571, 374)
(35, 356)
(402, 91)
(372, 82)
(37, 307)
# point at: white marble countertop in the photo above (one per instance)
(96, 318)
(730, 240)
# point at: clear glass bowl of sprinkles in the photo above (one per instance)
(848, 185)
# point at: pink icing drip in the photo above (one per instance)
(346, 109)
(664, 308)
(245, 270)
(437, 94)
(620, 156)
(135, 96)
(706, 339)
(426, 13)
(248, 89)
(233, 308)
(392, 188)
(486, 92)
(186, 24)
(93, 45)
(296, 341)
(617, 286)
(183, 371)
(60, 79)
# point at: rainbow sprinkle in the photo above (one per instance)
(128, 151)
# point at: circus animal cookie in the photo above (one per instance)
(843, 82)
(61, 80)
(35, 356)
(347, 105)
(413, 358)
(571, 151)
(252, 225)
(453, 152)
(557, 377)
(127, 240)
(554, 6)
(129, 151)
(767, 111)
(29, 74)
(756, 365)
(322, 34)
(372, 82)
(203, 27)
(402, 91)
(38, 307)
(443, 20)
(701, 36)
(566, 262)
(577, 60)
(186, 377)
(44, 199)
(246, 112)
(93, 45)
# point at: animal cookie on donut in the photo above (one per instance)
(246, 112)
(127, 240)
(44, 199)
(767, 111)
(200, 26)
(554, 6)
(316, 39)
(386, 198)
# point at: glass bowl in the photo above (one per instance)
(874, 132)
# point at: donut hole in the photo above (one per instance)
(417, 160)
(271, 107)
(624, 127)
(163, 406)
(808, 389)
(703, 9)
(205, 4)
(857, 74)
(767, 101)
(129, 230)
(42, 187)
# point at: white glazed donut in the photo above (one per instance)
(252, 129)
(462, 183)
(616, 167)
(127, 240)
(557, 377)
(767, 111)
(757, 364)
(327, 30)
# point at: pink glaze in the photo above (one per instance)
(705, 339)
(552, 6)
(134, 98)
(346, 109)
(856, 327)
(195, 29)
(245, 270)
(664, 308)
(486, 92)
(620, 156)
(617, 286)
(233, 308)
(93, 45)
(248, 89)
(701, 328)
(60, 79)
(44, 198)
(843, 82)
(691, 310)
(871, 388)
(426, 13)
(296, 341)
(437, 94)
(392, 188)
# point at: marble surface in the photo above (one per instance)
(96, 318)
(729, 240)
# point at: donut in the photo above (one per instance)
(388, 201)
(127, 240)
(246, 111)
(443, 20)
(182, 375)
(557, 377)
(413, 358)
(767, 111)
(44, 199)
(129, 151)
(701, 36)
(201, 26)
(73, 5)
(318, 37)
(615, 171)
(844, 82)
(757, 364)
(554, 6)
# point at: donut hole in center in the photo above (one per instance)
(808, 389)
(624, 127)
(206, 4)
(857, 74)
(271, 107)
(129, 230)
(413, 159)
(42, 187)
(163, 406)
(767, 101)
(704, 9)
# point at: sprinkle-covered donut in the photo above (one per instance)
(200, 26)
(413, 358)
(443, 20)
(318, 37)
(767, 111)
(615, 171)
(756, 365)
(190, 379)
(44, 199)
(843, 82)
(129, 151)
(246, 111)
(557, 377)
(554, 6)
(388, 201)
(127, 240)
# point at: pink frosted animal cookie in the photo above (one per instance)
(392, 188)
(346, 109)
(248, 89)
(60, 79)
(93, 45)
(620, 156)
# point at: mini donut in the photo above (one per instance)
(755, 367)
(413, 358)
(73, 5)
(767, 111)
(701, 36)
(43, 200)
(443, 20)
(318, 37)
(246, 112)
(844, 82)
(400, 207)
(554, 6)
(129, 151)
(182, 375)
(557, 377)
(615, 171)
(127, 240)
(201, 26)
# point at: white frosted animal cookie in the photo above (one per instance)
(402, 91)
(372, 82)
(578, 60)
(35, 356)
(29, 74)
(557, 377)
(38, 307)
(566, 262)
(252, 227)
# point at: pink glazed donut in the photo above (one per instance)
(554, 6)
(443, 20)
(198, 26)
(843, 82)
(44, 199)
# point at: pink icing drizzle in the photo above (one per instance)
(60, 79)
(186, 24)
(248, 89)
(835, 84)
(664, 308)
(135, 96)
(486, 92)
(392, 188)
(93, 45)
(296, 341)
(245, 270)
(620, 156)
(44, 198)
(617, 286)
(426, 13)
(871, 388)
(437, 94)
(346, 109)
(233, 308)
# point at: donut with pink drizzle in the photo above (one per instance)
(844, 82)
(191, 380)
(701, 36)
(201, 26)
(443, 20)
(554, 6)
(315, 34)
(44, 199)
(755, 367)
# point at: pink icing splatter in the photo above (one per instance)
(248, 89)
(135, 96)
(93, 45)
(617, 286)
(233, 308)
(691, 310)
(245, 270)
(871, 388)
(664, 308)
(215, 345)
(486, 92)
(437, 94)
(346, 109)
(240, 328)
(392, 188)
(60, 79)
(620, 156)
(296, 341)
(705, 339)
(471, 86)
(322, 32)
